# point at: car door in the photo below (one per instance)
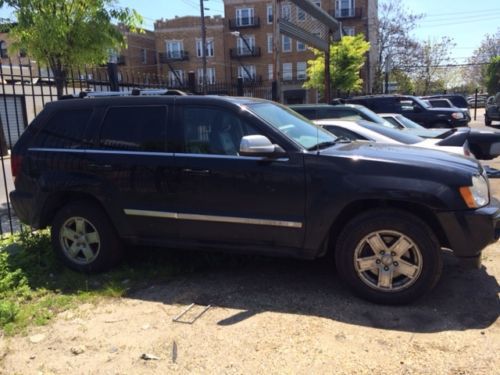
(226, 198)
(134, 169)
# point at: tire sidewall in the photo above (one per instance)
(411, 227)
(108, 253)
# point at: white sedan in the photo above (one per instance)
(367, 131)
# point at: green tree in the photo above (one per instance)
(347, 57)
(69, 33)
(493, 76)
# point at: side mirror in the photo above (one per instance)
(259, 145)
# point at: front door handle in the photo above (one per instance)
(99, 167)
(198, 172)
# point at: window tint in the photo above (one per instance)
(346, 114)
(307, 113)
(65, 129)
(134, 129)
(213, 131)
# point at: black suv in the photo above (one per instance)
(246, 175)
(415, 109)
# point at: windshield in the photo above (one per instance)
(373, 117)
(292, 125)
(409, 123)
(423, 103)
(397, 135)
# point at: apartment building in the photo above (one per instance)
(140, 54)
(249, 35)
(180, 49)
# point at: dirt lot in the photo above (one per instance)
(274, 316)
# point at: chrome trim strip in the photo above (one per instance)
(216, 156)
(99, 151)
(213, 218)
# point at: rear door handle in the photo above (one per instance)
(99, 167)
(199, 172)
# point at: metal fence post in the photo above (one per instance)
(239, 88)
(192, 82)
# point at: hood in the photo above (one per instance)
(434, 160)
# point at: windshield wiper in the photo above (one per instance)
(326, 144)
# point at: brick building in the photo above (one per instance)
(252, 50)
(140, 54)
(179, 47)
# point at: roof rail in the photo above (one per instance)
(133, 92)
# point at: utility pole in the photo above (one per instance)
(328, 84)
(203, 47)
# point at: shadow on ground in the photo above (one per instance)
(464, 299)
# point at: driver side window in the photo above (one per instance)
(214, 131)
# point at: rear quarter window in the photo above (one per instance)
(64, 129)
(138, 128)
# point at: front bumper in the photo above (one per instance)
(470, 231)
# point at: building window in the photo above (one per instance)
(269, 13)
(247, 72)
(144, 55)
(244, 17)
(286, 44)
(176, 78)
(245, 48)
(301, 71)
(270, 72)
(301, 15)
(3, 50)
(174, 49)
(270, 43)
(286, 12)
(301, 47)
(348, 31)
(344, 8)
(287, 72)
(210, 76)
(209, 47)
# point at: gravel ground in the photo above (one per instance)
(274, 316)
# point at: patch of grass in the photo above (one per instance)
(35, 286)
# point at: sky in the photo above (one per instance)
(465, 21)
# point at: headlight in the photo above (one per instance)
(477, 195)
(457, 115)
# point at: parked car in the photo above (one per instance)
(449, 101)
(491, 112)
(415, 109)
(246, 175)
(368, 131)
(481, 100)
(484, 144)
(338, 111)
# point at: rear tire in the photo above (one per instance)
(487, 121)
(388, 257)
(84, 238)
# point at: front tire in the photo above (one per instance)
(84, 238)
(388, 257)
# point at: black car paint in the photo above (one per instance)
(319, 190)
(427, 117)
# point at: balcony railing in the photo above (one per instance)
(236, 53)
(348, 13)
(173, 56)
(243, 23)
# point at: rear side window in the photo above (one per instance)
(339, 113)
(345, 133)
(141, 128)
(65, 129)
(307, 113)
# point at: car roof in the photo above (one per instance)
(150, 99)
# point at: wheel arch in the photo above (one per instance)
(356, 208)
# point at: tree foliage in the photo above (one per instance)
(492, 76)
(395, 24)
(488, 49)
(433, 55)
(347, 57)
(69, 33)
